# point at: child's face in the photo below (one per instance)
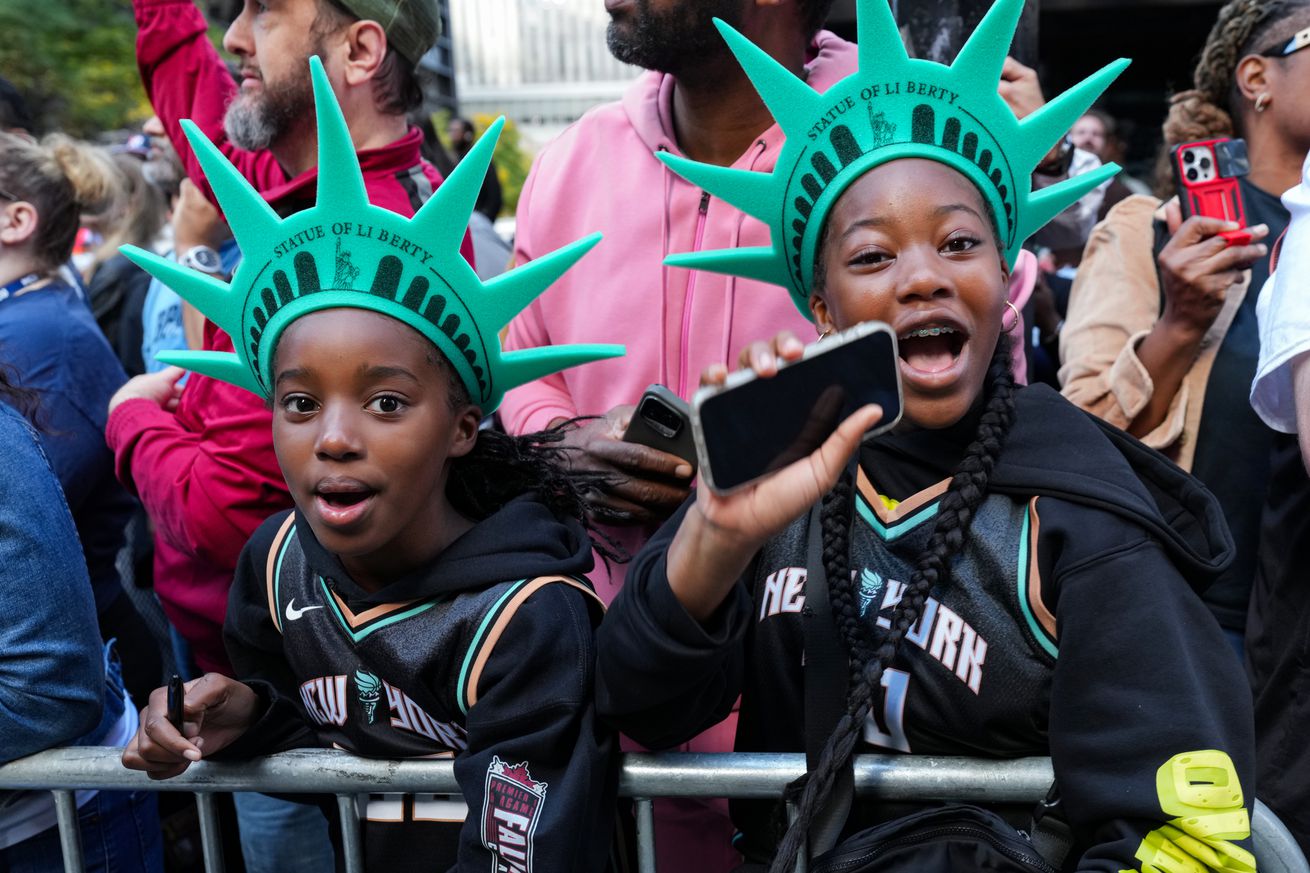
(910, 244)
(364, 428)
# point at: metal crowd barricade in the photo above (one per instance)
(644, 777)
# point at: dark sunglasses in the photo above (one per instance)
(1299, 40)
(7, 196)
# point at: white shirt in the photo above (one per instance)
(1284, 314)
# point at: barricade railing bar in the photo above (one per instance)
(643, 778)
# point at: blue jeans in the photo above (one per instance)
(120, 834)
(281, 836)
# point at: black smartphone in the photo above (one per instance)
(662, 420)
(176, 694)
(750, 426)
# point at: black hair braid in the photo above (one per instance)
(502, 467)
(835, 518)
(966, 492)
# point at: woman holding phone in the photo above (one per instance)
(1005, 576)
(1161, 337)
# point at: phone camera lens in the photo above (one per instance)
(1205, 163)
(664, 420)
(1189, 157)
(1191, 174)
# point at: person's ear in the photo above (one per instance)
(366, 49)
(465, 433)
(18, 223)
(823, 322)
(1252, 77)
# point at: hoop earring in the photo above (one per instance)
(1017, 318)
(824, 335)
(1262, 102)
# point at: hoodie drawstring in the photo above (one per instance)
(664, 273)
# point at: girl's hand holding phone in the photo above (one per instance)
(721, 533)
(215, 711)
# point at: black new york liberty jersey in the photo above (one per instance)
(496, 674)
(1067, 627)
(984, 641)
(395, 680)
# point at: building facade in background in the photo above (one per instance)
(542, 63)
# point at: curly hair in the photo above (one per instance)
(932, 570)
(1212, 107)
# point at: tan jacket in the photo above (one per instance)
(1114, 304)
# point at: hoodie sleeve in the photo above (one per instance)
(662, 677)
(1151, 726)
(540, 774)
(254, 645)
(184, 77)
(532, 407)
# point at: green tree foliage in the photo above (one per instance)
(75, 62)
(512, 160)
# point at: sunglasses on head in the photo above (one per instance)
(1299, 40)
(5, 195)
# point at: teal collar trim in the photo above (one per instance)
(362, 633)
(899, 529)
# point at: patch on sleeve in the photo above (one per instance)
(510, 811)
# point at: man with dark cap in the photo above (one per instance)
(201, 458)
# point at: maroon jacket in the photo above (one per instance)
(207, 474)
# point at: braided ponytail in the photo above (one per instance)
(1212, 107)
(966, 492)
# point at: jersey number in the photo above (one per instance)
(887, 728)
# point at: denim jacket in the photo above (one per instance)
(53, 683)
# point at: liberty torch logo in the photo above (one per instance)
(370, 692)
(509, 815)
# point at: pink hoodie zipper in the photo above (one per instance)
(690, 296)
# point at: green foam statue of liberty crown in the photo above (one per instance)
(345, 252)
(893, 107)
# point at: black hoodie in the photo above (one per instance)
(485, 655)
(1069, 627)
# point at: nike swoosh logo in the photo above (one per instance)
(293, 613)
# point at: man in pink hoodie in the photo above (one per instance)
(601, 174)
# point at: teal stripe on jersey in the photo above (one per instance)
(1035, 627)
(277, 575)
(460, 694)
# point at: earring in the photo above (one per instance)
(1262, 102)
(825, 333)
(1017, 318)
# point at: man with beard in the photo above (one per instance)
(201, 458)
(602, 174)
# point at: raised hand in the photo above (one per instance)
(721, 533)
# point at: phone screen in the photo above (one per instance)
(763, 425)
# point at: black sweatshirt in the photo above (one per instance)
(1068, 628)
(486, 655)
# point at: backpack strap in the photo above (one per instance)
(826, 673)
(276, 565)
